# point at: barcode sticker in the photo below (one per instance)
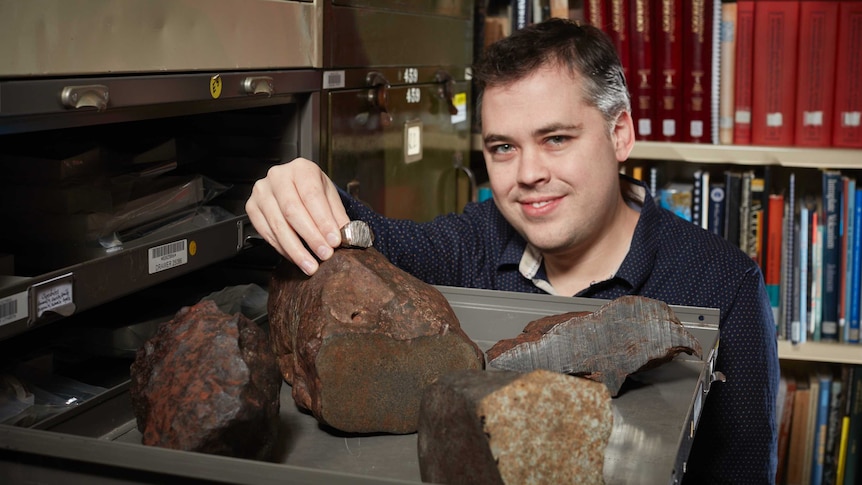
(168, 256)
(13, 308)
(333, 79)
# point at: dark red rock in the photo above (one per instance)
(361, 339)
(207, 382)
(499, 427)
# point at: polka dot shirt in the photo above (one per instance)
(670, 259)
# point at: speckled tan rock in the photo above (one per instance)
(502, 427)
(360, 340)
(207, 382)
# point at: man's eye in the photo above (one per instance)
(504, 148)
(557, 140)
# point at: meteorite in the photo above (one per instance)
(208, 382)
(625, 335)
(361, 339)
(504, 427)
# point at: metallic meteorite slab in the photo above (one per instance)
(623, 336)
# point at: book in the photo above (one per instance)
(677, 198)
(617, 28)
(832, 187)
(849, 251)
(642, 79)
(669, 40)
(852, 468)
(799, 435)
(788, 270)
(745, 210)
(596, 14)
(743, 72)
(818, 35)
(815, 276)
(847, 125)
(852, 330)
(784, 415)
(559, 9)
(697, 52)
(802, 302)
(728, 72)
(522, 13)
(732, 203)
(821, 425)
(837, 403)
(715, 223)
(697, 197)
(772, 271)
(776, 28)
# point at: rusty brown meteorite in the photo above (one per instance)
(361, 339)
(207, 382)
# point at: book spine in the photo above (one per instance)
(596, 14)
(728, 72)
(833, 428)
(618, 30)
(772, 273)
(804, 265)
(669, 59)
(744, 72)
(560, 8)
(850, 255)
(847, 125)
(788, 271)
(697, 198)
(832, 185)
(522, 13)
(852, 472)
(716, 209)
(776, 25)
(697, 71)
(642, 81)
(818, 35)
(824, 393)
(732, 203)
(853, 322)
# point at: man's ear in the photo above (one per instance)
(623, 136)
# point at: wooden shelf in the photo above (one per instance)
(820, 352)
(837, 158)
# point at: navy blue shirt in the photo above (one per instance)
(669, 259)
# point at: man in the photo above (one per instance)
(556, 124)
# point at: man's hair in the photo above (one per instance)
(582, 49)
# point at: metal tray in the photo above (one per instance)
(654, 422)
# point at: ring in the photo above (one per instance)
(356, 234)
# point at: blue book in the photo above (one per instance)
(849, 228)
(831, 244)
(853, 321)
(821, 424)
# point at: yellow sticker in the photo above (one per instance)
(215, 86)
(460, 99)
(193, 248)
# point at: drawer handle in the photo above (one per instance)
(91, 96)
(258, 85)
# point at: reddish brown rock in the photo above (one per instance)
(207, 382)
(506, 427)
(624, 336)
(361, 339)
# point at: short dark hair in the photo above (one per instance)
(583, 49)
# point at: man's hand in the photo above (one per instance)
(297, 202)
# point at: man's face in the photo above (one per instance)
(552, 161)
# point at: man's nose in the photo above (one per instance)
(532, 167)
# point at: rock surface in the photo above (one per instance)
(360, 340)
(502, 427)
(624, 336)
(208, 382)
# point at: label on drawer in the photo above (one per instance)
(13, 308)
(168, 256)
